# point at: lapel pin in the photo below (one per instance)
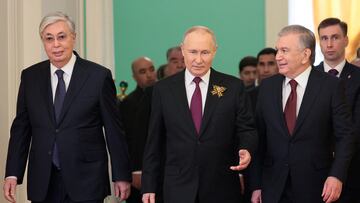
(218, 90)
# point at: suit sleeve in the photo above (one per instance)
(343, 132)
(151, 174)
(255, 168)
(20, 138)
(245, 125)
(115, 138)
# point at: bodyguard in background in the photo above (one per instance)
(333, 41)
(65, 104)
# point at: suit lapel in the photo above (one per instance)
(279, 103)
(46, 91)
(312, 90)
(179, 92)
(211, 100)
(78, 78)
(346, 72)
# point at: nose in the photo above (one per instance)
(198, 58)
(278, 56)
(329, 43)
(56, 42)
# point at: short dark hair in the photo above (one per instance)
(333, 21)
(247, 61)
(170, 50)
(266, 51)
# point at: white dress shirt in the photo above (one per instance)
(68, 69)
(190, 86)
(302, 81)
(339, 67)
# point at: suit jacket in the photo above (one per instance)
(350, 75)
(306, 157)
(89, 109)
(197, 166)
(135, 111)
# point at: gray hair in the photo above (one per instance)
(200, 28)
(306, 38)
(56, 17)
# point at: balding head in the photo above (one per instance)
(143, 72)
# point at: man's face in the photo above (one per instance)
(248, 75)
(58, 43)
(144, 73)
(266, 66)
(175, 63)
(291, 58)
(199, 50)
(333, 43)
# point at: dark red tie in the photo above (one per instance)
(196, 105)
(333, 72)
(290, 108)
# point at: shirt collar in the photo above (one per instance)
(68, 68)
(301, 79)
(189, 77)
(339, 67)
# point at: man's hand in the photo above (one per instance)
(244, 160)
(136, 180)
(332, 189)
(10, 189)
(256, 196)
(148, 198)
(122, 190)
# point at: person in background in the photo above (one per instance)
(175, 61)
(333, 41)
(201, 119)
(67, 122)
(248, 72)
(356, 61)
(306, 139)
(135, 111)
(160, 72)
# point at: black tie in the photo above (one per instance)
(333, 72)
(58, 103)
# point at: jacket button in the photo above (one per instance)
(49, 152)
(57, 130)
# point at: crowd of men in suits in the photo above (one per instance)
(292, 131)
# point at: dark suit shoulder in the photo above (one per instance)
(38, 66)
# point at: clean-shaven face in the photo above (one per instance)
(333, 43)
(58, 42)
(199, 50)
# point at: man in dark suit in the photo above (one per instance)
(302, 118)
(65, 104)
(333, 41)
(135, 111)
(201, 119)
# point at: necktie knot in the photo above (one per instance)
(197, 80)
(293, 84)
(59, 73)
(333, 72)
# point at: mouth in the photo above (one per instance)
(57, 53)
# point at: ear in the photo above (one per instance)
(307, 55)
(182, 49)
(346, 41)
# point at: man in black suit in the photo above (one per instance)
(65, 104)
(135, 111)
(201, 119)
(333, 41)
(302, 119)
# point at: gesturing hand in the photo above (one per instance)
(244, 160)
